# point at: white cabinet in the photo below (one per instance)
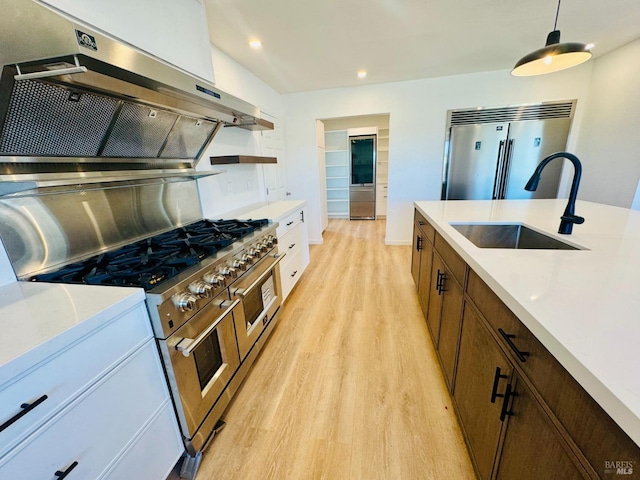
(337, 173)
(99, 398)
(293, 239)
(382, 172)
(172, 30)
(381, 200)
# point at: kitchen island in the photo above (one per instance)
(581, 305)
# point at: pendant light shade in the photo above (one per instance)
(553, 57)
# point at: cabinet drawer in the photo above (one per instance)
(424, 225)
(591, 428)
(154, 453)
(96, 427)
(290, 271)
(288, 223)
(456, 264)
(291, 242)
(67, 374)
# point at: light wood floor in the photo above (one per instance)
(348, 386)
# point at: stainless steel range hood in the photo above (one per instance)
(76, 105)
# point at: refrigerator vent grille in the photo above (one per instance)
(512, 114)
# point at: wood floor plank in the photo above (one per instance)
(349, 386)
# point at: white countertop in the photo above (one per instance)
(584, 306)
(39, 319)
(275, 211)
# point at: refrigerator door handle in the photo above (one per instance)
(508, 154)
(497, 181)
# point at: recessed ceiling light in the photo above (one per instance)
(255, 43)
(362, 74)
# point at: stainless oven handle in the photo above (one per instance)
(240, 292)
(192, 344)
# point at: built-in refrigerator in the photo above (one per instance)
(494, 160)
(362, 187)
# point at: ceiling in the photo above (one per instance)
(313, 45)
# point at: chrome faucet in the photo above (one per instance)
(569, 217)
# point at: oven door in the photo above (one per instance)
(204, 357)
(261, 296)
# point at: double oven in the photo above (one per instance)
(210, 328)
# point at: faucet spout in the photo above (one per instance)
(569, 217)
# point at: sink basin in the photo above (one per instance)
(514, 235)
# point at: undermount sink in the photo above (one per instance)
(514, 235)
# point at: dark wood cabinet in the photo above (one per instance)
(549, 426)
(416, 252)
(450, 318)
(532, 450)
(481, 381)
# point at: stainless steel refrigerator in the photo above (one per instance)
(362, 188)
(495, 160)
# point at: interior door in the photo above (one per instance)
(474, 151)
(529, 143)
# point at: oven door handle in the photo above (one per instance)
(191, 345)
(241, 292)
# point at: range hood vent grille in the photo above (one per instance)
(48, 120)
(542, 111)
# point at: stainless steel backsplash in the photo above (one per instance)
(44, 231)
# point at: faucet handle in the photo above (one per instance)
(573, 219)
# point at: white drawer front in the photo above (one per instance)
(67, 374)
(288, 223)
(291, 242)
(290, 270)
(154, 452)
(96, 427)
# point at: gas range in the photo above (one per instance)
(181, 270)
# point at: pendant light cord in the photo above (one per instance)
(555, 25)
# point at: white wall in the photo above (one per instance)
(417, 119)
(241, 185)
(609, 140)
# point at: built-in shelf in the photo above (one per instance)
(231, 159)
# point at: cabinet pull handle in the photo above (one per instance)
(26, 408)
(496, 380)
(290, 223)
(440, 283)
(505, 412)
(507, 338)
(294, 273)
(418, 243)
(421, 222)
(62, 475)
(438, 280)
(291, 246)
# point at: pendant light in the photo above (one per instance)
(555, 56)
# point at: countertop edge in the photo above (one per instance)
(274, 211)
(23, 363)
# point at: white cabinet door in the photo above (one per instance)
(173, 30)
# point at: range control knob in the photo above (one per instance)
(247, 258)
(241, 264)
(200, 289)
(185, 301)
(272, 239)
(230, 272)
(214, 278)
(268, 243)
(255, 252)
(262, 246)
